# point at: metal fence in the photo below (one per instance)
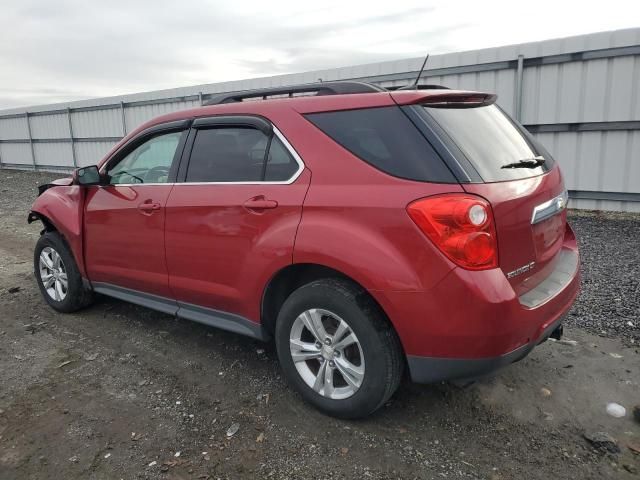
(578, 95)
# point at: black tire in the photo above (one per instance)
(77, 296)
(383, 356)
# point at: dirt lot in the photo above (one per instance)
(118, 391)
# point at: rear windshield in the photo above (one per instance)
(490, 140)
(385, 138)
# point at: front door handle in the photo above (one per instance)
(260, 203)
(148, 207)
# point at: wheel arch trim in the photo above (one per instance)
(307, 272)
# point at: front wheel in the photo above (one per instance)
(58, 276)
(337, 348)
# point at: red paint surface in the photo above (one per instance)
(124, 244)
(63, 207)
(221, 254)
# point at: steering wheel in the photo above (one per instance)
(123, 172)
(154, 174)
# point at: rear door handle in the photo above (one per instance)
(149, 207)
(260, 203)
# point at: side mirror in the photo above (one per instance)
(87, 176)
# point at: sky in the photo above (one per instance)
(62, 50)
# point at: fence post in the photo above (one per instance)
(124, 120)
(200, 98)
(517, 107)
(73, 143)
(33, 152)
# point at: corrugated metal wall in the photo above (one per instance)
(578, 95)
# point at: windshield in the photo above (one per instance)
(490, 140)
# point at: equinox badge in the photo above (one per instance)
(518, 271)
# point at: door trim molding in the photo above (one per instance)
(207, 316)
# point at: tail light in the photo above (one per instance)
(461, 226)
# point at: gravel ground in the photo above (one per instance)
(119, 391)
(609, 302)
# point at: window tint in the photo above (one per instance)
(237, 154)
(150, 162)
(227, 155)
(385, 138)
(280, 164)
(489, 140)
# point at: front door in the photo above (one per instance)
(231, 222)
(124, 220)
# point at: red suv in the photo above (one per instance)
(368, 231)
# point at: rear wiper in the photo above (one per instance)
(526, 163)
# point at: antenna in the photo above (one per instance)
(415, 83)
(424, 64)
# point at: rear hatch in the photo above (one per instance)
(504, 164)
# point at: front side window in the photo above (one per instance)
(149, 162)
(238, 154)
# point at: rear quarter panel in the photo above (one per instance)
(355, 221)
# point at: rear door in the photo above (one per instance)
(124, 220)
(232, 217)
(528, 199)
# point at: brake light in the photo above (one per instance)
(461, 226)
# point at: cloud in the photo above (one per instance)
(73, 49)
(59, 51)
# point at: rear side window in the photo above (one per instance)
(385, 138)
(490, 140)
(280, 164)
(238, 154)
(227, 155)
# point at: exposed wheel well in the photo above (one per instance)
(48, 225)
(289, 279)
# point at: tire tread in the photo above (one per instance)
(387, 338)
(78, 295)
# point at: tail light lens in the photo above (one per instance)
(461, 226)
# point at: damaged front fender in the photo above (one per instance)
(62, 182)
(61, 209)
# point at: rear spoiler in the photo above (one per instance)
(443, 98)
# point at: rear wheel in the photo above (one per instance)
(58, 276)
(337, 348)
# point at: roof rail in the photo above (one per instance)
(320, 88)
(419, 87)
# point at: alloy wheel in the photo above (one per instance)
(327, 354)
(53, 274)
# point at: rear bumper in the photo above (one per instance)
(431, 369)
(474, 322)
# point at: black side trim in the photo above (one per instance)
(148, 300)
(183, 162)
(208, 316)
(223, 320)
